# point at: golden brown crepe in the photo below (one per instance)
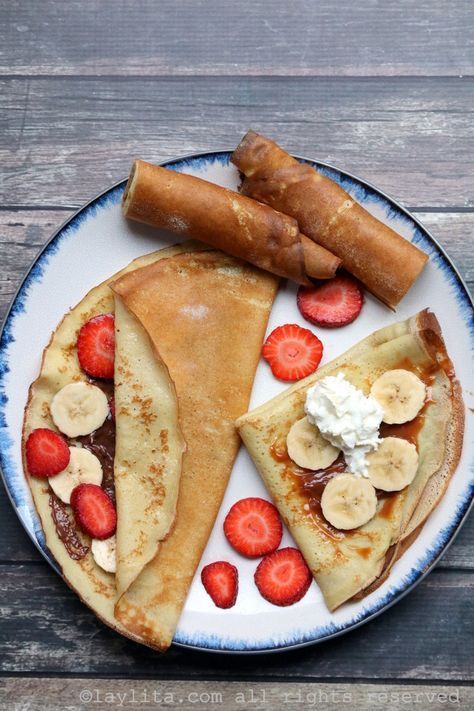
(206, 314)
(59, 367)
(385, 262)
(224, 219)
(148, 448)
(345, 563)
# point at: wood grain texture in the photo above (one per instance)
(252, 37)
(45, 629)
(63, 141)
(37, 694)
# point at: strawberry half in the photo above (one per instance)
(253, 527)
(283, 577)
(334, 303)
(47, 453)
(96, 346)
(221, 581)
(292, 352)
(94, 511)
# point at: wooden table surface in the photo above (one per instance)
(380, 89)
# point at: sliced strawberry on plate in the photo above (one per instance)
(292, 352)
(283, 577)
(221, 581)
(96, 346)
(253, 527)
(334, 303)
(47, 453)
(94, 511)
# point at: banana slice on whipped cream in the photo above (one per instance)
(308, 448)
(348, 501)
(401, 395)
(79, 408)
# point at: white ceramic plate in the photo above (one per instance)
(97, 242)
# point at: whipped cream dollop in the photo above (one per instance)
(346, 418)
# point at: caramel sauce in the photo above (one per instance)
(278, 450)
(310, 484)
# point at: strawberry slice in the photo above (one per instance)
(292, 352)
(94, 511)
(334, 303)
(96, 346)
(283, 577)
(253, 527)
(221, 580)
(47, 453)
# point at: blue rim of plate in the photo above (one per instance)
(447, 535)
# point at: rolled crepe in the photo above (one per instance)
(386, 263)
(225, 219)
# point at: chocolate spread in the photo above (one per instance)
(101, 442)
(66, 529)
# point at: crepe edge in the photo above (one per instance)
(139, 262)
(180, 435)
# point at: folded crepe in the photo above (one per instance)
(144, 519)
(347, 563)
(206, 314)
(385, 262)
(226, 220)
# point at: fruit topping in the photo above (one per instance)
(46, 453)
(79, 408)
(83, 468)
(393, 465)
(96, 346)
(104, 552)
(253, 527)
(401, 395)
(334, 303)
(94, 511)
(348, 501)
(292, 352)
(221, 580)
(308, 448)
(283, 577)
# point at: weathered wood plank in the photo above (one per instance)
(37, 694)
(252, 37)
(62, 141)
(45, 629)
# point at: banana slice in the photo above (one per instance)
(79, 409)
(401, 395)
(104, 553)
(393, 465)
(307, 447)
(348, 501)
(83, 468)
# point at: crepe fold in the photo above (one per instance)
(148, 448)
(206, 314)
(60, 366)
(385, 262)
(345, 563)
(224, 219)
